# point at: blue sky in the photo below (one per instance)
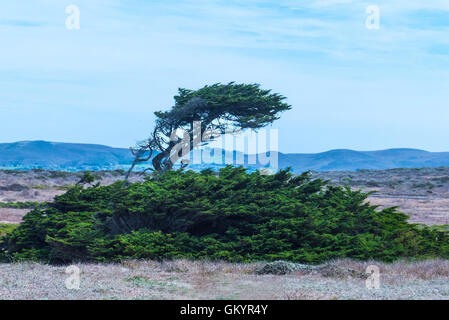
(350, 87)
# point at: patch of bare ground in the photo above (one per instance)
(12, 215)
(426, 211)
(183, 279)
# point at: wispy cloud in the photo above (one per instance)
(130, 55)
(20, 23)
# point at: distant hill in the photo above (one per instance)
(74, 156)
(55, 155)
(355, 160)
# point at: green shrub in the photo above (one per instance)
(14, 187)
(282, 267)
(58, 174)
(23, 205)
(236, 216)
(6, 228)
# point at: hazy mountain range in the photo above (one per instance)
(73, 156)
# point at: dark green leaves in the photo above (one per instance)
(236, 216)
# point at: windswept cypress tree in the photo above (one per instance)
(220, 108)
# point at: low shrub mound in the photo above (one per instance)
(236, 216)
(22, 205)
(282, 267)
(328, 270)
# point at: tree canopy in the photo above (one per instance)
(220, 108)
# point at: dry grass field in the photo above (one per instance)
(183, 279)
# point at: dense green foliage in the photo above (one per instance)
(87, 178)
(235, 216)
(6, 228)
(23, 205)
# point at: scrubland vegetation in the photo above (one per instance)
(59, 225)
(235, 216)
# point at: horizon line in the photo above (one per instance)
(287, 153)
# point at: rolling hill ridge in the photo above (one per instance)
(75, 156)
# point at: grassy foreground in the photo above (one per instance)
(183, 279)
